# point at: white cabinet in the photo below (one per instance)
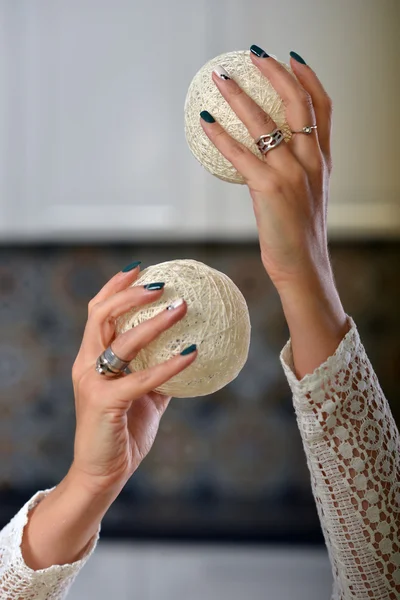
(92, 142)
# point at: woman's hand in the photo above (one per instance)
(117, 418)
(289, 185)
(289, 189)
(116, 423)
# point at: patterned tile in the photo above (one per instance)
(238, 445)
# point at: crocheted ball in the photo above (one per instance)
(217, 320)
(203, 94)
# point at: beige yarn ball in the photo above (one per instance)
(217, 320)
(203, 94)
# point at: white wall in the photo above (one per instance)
(91, 113)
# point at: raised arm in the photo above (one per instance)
(50, 539)
(349, 435)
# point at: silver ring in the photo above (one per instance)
(109, 364)
(269, 141)
(308, 129)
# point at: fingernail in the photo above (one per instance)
(205, 115)
(297, 57)
(189, 350)
(175, 304)
(132, 266)
(221, 72)
(258, 51)
(152, 287)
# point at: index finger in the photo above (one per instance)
(119, 282)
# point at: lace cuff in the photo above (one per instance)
(17, 580)
(352, 448)
(311, 382)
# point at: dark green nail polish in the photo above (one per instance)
(152, 287)
(189, 350)
(132, 266)
(297, 57)
(205, 115)
(258, 51)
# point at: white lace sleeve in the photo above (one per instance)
(352, 448)
(17, 580)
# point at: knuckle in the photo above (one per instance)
(305, 98)
(264, 118)
(143, 377)
(83, 390)
(162, 325)
(94, 311)
(236, 91)
(237, 151)
(220, 134)
(298, 176)
(274, 187)
(91, 305)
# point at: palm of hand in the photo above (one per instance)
(119, 443)
(142, 424)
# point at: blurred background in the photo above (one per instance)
(95, 173)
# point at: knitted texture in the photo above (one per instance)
(20, 582)
(352, 448)
(217, 321)
(353, 454)
(203, 94)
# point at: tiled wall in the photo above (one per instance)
(229, 465)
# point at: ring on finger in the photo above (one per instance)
(307, 129)
(269, 141)
(109, 364)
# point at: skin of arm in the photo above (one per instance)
(62, 525)
(316, 319)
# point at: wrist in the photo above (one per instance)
(314, 294)
(61, 526)
(316, 320)
(98, 492)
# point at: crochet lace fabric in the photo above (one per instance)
(352, 447)
(17, 580)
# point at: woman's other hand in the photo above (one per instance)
(116, 422)
(117, 418)
(289, 189)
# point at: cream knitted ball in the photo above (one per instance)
(217, 320)
(203, 94)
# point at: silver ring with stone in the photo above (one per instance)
(308, 129)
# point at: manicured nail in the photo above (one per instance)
(258, 51)
(153, 287)
(189, 350)
(175, 304)
(220, 71)
(205, 115)
(297, 57)
(131, 266)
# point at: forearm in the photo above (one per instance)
(61, 526)
(316, 320)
